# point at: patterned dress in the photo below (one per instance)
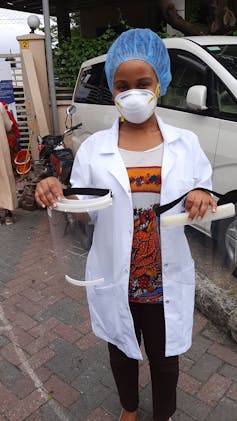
(144, 172)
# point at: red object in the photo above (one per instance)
(13, 136)
(55, 161)
(15, 128)
(22, 162)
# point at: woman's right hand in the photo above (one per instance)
(48, 191)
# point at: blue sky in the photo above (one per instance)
(12, 24)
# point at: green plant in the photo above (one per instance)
(69, 55)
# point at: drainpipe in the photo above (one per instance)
(49, 58)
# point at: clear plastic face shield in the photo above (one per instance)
(72, 224)
(212, 240)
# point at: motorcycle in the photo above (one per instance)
(55, 157)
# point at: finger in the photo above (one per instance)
(202, 209)
(42, 195)
(188, 203)
(194, 210)
(48, 191)
(207, 201)
(38, 199)
(213, 204)
(192, 205)
(56, 191)
(191, 200)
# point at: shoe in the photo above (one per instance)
(128, 416)
(9, 220)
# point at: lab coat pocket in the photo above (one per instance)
(104, 310)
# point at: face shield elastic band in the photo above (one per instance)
(225, 209)
(85, 191)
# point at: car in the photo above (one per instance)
(202, 97)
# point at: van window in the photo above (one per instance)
(226, 55)
(187, 70)
(92, 87)
(226, 104)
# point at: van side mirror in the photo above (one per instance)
(197, 98)
(71, 110)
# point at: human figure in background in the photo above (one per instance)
(13, 135)
(8, 198)
(149, 271)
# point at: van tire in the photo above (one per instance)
(219, 232)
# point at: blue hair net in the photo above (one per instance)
(139, 44)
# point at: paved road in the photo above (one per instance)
(210, 262)
(53, 368)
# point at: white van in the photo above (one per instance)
(202, 97)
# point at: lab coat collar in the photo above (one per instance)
(116, 166)
(169, 134)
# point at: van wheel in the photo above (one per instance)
(224, 235)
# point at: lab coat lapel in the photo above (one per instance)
(118, 170)
(169, 134)
(116, 165)
(169, 158)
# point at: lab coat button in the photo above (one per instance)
(167, 301)
(126, 270)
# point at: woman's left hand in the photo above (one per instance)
(197, 202)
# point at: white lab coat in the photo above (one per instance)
(98, 164)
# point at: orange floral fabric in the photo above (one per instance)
(145, 282)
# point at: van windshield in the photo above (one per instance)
(92, 87)
(226, 55)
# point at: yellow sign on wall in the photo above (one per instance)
(24, 44)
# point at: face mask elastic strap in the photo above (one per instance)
(157, 91)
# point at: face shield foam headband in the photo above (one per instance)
(137, 105)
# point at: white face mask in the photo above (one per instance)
(136, 105)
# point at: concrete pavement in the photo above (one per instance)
(53, 368)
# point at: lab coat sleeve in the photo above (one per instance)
(81, 174)
(202, 168)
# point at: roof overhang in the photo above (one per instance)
(35, 6)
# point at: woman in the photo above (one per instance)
(8, 198)
(13, 135)
(148, 270)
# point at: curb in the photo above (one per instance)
(217, 305)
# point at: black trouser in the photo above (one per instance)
(149, 322)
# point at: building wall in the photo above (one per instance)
(142, 14)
